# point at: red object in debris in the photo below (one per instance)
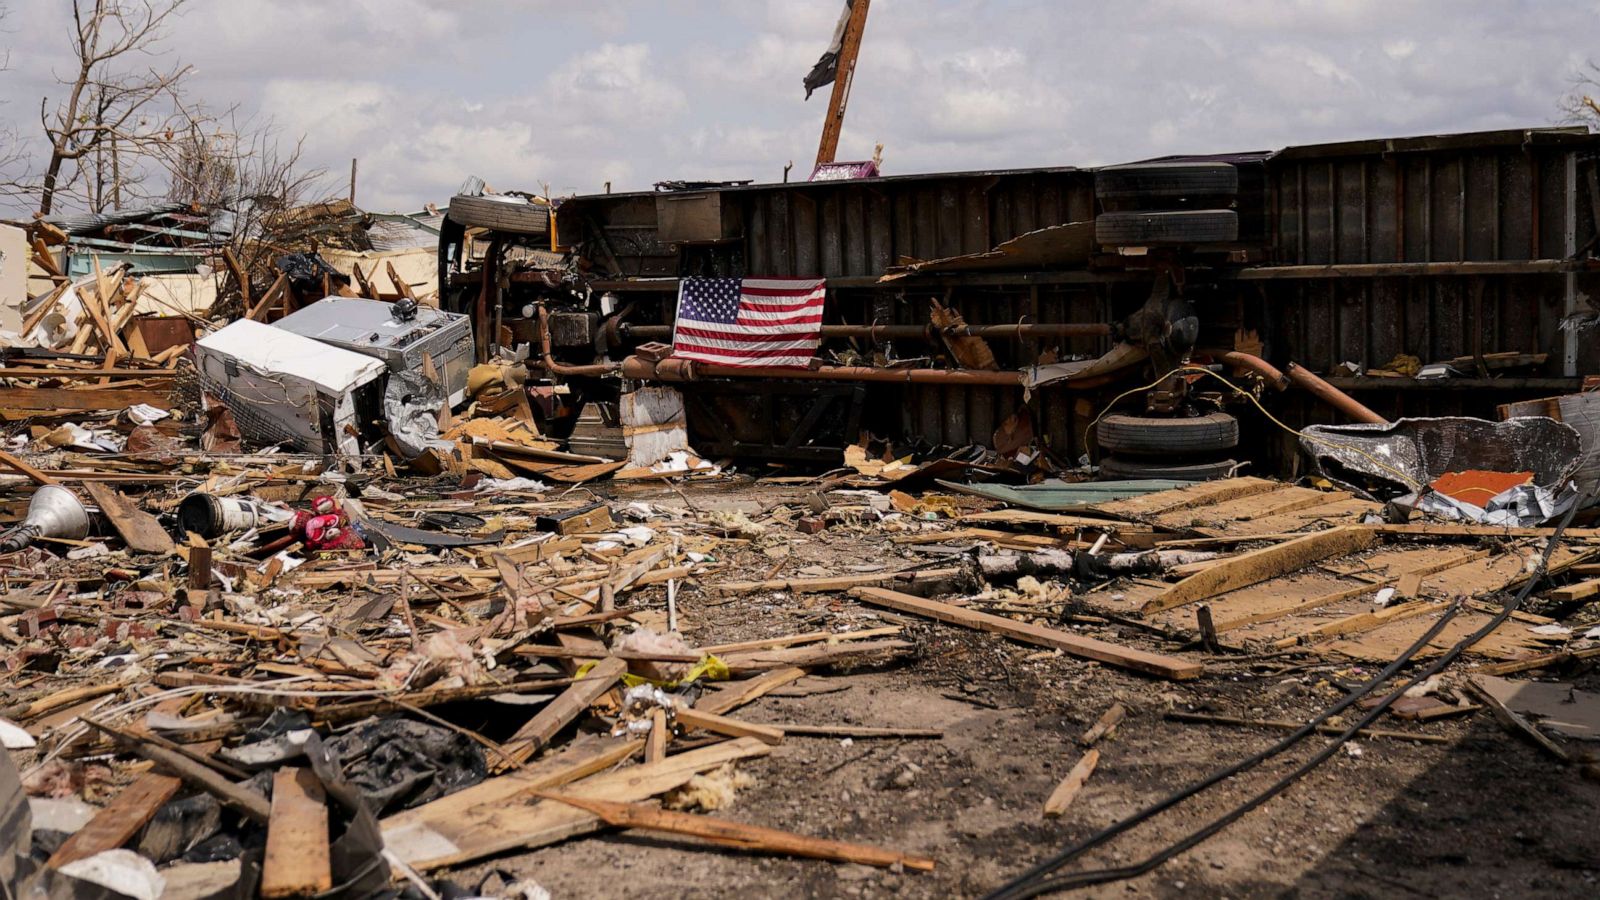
(1477, 486)
(810, 524)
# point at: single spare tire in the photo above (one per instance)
(499, 212)
(1150, 436)
(1119, 469)
(1166, 180)
(1143, 229)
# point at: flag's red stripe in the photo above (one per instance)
(781, 292)
(780, 307)
(685, 331)
(747, 354)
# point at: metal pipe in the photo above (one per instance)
(1304, 379)
(685, 370)
(547, 359)
(1017, 331)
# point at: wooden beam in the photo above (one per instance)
(138, 529)
(1583, 590)
(1069, 787)
(1260, 565)
(44, 308)
(1077, 645)
(562, 711)
(298, 861)
(692, 718)
(739, 693)
(844, 74)
(399, 283)
(258, 312)
(493, 828)
(120, 820)
(15, 464)
(737, 834)
(69, 400)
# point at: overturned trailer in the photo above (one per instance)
(1299, 270)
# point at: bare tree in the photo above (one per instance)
(115, 111)
(1580, 104)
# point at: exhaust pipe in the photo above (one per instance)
(53, 512)
(210, 516)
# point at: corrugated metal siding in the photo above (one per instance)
(1499, 203)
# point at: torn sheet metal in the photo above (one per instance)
(1407, 455)
(1057, 246)
(411, 404)
(1061, 496)
(1116, 359)
(1523, 506)
(286, 389)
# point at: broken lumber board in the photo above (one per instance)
(1058, 520)
(833, 583)
(1077, 645)
(139, 530)
(297, 861)
(729, 833)
(691, 718)
(562, 711)
(16, 464)
(254, 806)
(1511, 667)
(120, 820)
(1062, 796)
(493, 828)
(860, 731)
(1259, 565)
(816, 655)
(811, 637)
(580, 759)
(739, 693)
(1582, 590)
(86, 374)
(591, 519)
(1432, 568)
(1203, 494)
(1105, 725)
(1473, 531)
(72, 400)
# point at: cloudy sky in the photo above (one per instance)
(577, 93)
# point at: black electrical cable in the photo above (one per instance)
(1038, 880)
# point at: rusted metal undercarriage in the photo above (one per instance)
(1340, 256)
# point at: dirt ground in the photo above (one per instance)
(1484, 815)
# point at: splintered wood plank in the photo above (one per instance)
(1281, 598)
(741, 692)
(1203, 494)
(120, 820)
(1338, 512)
(493, 828)
(297, 861)
(1077, 645)
(584, 757)
(1583, 590)
(689, 717)
(1283, 498)
(1260, 565)
(729, 833)
(1069, 787)
(1058, 520)
(138, 529)
(562, 711)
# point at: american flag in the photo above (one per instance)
(749, 322)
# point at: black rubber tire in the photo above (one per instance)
(1115, 468)
(500, 213)
(1144, 229)
(1168, 437)
(1166, 180)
